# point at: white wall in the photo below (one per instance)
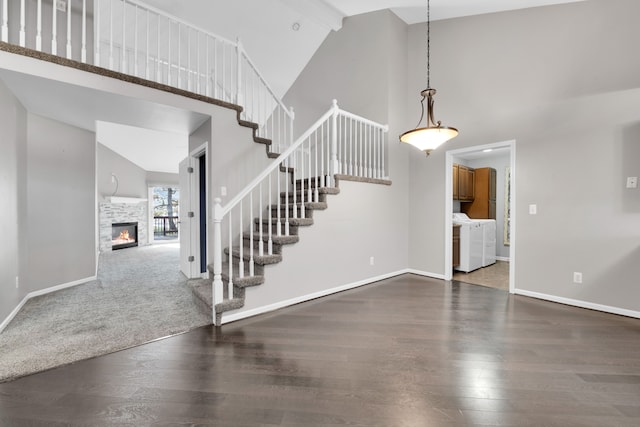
(361, 66)
(131, 179)
(562, 83)
(13, 122)
(61, 210)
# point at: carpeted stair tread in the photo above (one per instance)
(295, 222)
(307, 205)
(277, 240)
(240, 282)
(247, 124)
(257, 259)
(321, 190)
(261, 140)
(272, 155)
(229, 304)
(202, 290)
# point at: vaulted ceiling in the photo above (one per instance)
(287, 48)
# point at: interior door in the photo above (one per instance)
(187, 264)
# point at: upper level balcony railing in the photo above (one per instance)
(133, 38)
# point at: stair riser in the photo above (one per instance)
(322, 198)
(308, 213)
(258, 269)
(277, 249)
(293, 229)
(306, 184)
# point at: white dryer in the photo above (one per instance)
(488, 241)
(471, 243)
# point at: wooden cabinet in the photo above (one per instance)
(455, 181)
(456, 245)
(484, 203)
(463, 183)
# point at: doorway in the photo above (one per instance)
(193, 174)
(500, 157)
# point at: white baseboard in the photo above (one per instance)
(426, 274)
(503, 258)
(34, 294)
(579, 303)
(232, 317)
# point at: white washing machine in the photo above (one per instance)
(471, 243)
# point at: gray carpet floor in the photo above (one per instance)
(140, 295)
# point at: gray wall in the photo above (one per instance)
(13, 122)
(499, 163)
(561, 81)
(361, 67)
(61, 203)
(132, 179)
(162, 179)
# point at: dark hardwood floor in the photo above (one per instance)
(407, 351)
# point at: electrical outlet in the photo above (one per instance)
(372, 261)
(17, 282)
(533, 209)
(577, 277)
(223, 191)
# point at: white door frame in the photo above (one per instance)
(201, 150)
(448, 207)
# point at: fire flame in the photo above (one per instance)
(124, 235)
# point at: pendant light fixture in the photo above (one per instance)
(434, 134)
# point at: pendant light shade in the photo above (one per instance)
(433, 134)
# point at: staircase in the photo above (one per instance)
(267, 214)
(203, 288)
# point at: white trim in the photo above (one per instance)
(503, 258)
(232, 317)
(579, 303)
(427, 274)
(448, 206)
(39, 293)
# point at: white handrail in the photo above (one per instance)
(276, 163)
(339, 142)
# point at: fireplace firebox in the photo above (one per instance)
(124, 235)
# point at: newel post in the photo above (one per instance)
(217, 255)
(333, 165)
(239, 99)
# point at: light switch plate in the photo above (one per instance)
(533, 209)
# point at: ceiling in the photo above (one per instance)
(414, 11)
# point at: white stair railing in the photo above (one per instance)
(133, 38)
(276, 200)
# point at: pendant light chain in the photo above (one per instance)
(428, 46)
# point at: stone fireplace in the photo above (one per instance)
(118, 212)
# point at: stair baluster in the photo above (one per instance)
(308, 170)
